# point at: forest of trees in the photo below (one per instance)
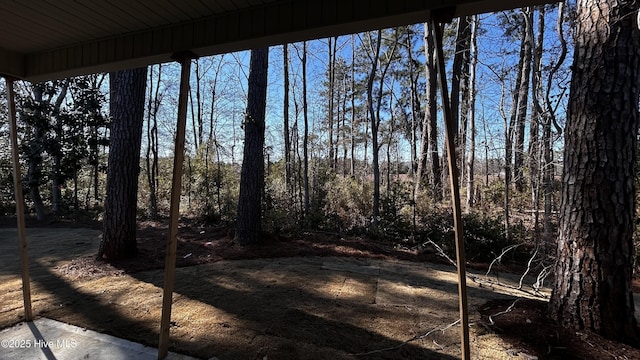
(345, 135)
(353, 130)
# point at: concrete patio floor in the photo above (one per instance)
(53, 340)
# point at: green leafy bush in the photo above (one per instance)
(347, 203)
(484, 236)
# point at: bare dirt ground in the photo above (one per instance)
(318, 296)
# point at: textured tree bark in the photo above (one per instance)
(305, 138)
(151, 158)
(285, 115)
(549, 118)
(374, 126)
(331, 78)
(429, 134)
(460, 98)
(57, 180)
(127, 113)
(523, 98)
(592, 289)
(252, 174)
(34, 171)
(460, 72)
(471, 117)
(536, 113)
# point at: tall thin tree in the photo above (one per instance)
(285, 115)
(523, 98)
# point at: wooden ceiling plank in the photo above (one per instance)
(271, 23)
(117, 18)
(329, 13)
(35, 27)
(285, 14)
(272, 12)
(258, 22)
(78, 21)
(299, 12)
(152, 14)
(210, 6)
(189, 9)
(227, 5)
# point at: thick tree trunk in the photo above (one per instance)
(127, 113)
(249, 222)
(592, 289)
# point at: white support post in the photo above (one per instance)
(17, 188)
(174, 212)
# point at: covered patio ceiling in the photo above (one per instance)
(51, 39)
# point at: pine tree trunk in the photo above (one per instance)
(471, 118)
(252, 174)
(431, 115)
(549, 167)
(151, 158)
(465, 95)
(305, 140)
(536, 114)
(352, 96)
(592, 288)
(34, 158)
(457, 65)
(128, 89)
(57, 181)
(523, 97)
(285, 115)
(331, 74)
(374, 128)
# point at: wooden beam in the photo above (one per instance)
(17, 188)
(455, 191)
(174, 211)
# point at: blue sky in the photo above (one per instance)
(497, 55)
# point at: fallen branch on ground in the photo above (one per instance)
(535, 253)
(440, 252)
(541, 277)
(507, 310)
(415, 338)
(499, 258)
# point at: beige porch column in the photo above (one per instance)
(455, 191)
(174, 212)
(17, 188)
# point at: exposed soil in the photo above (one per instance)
(313, 296)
